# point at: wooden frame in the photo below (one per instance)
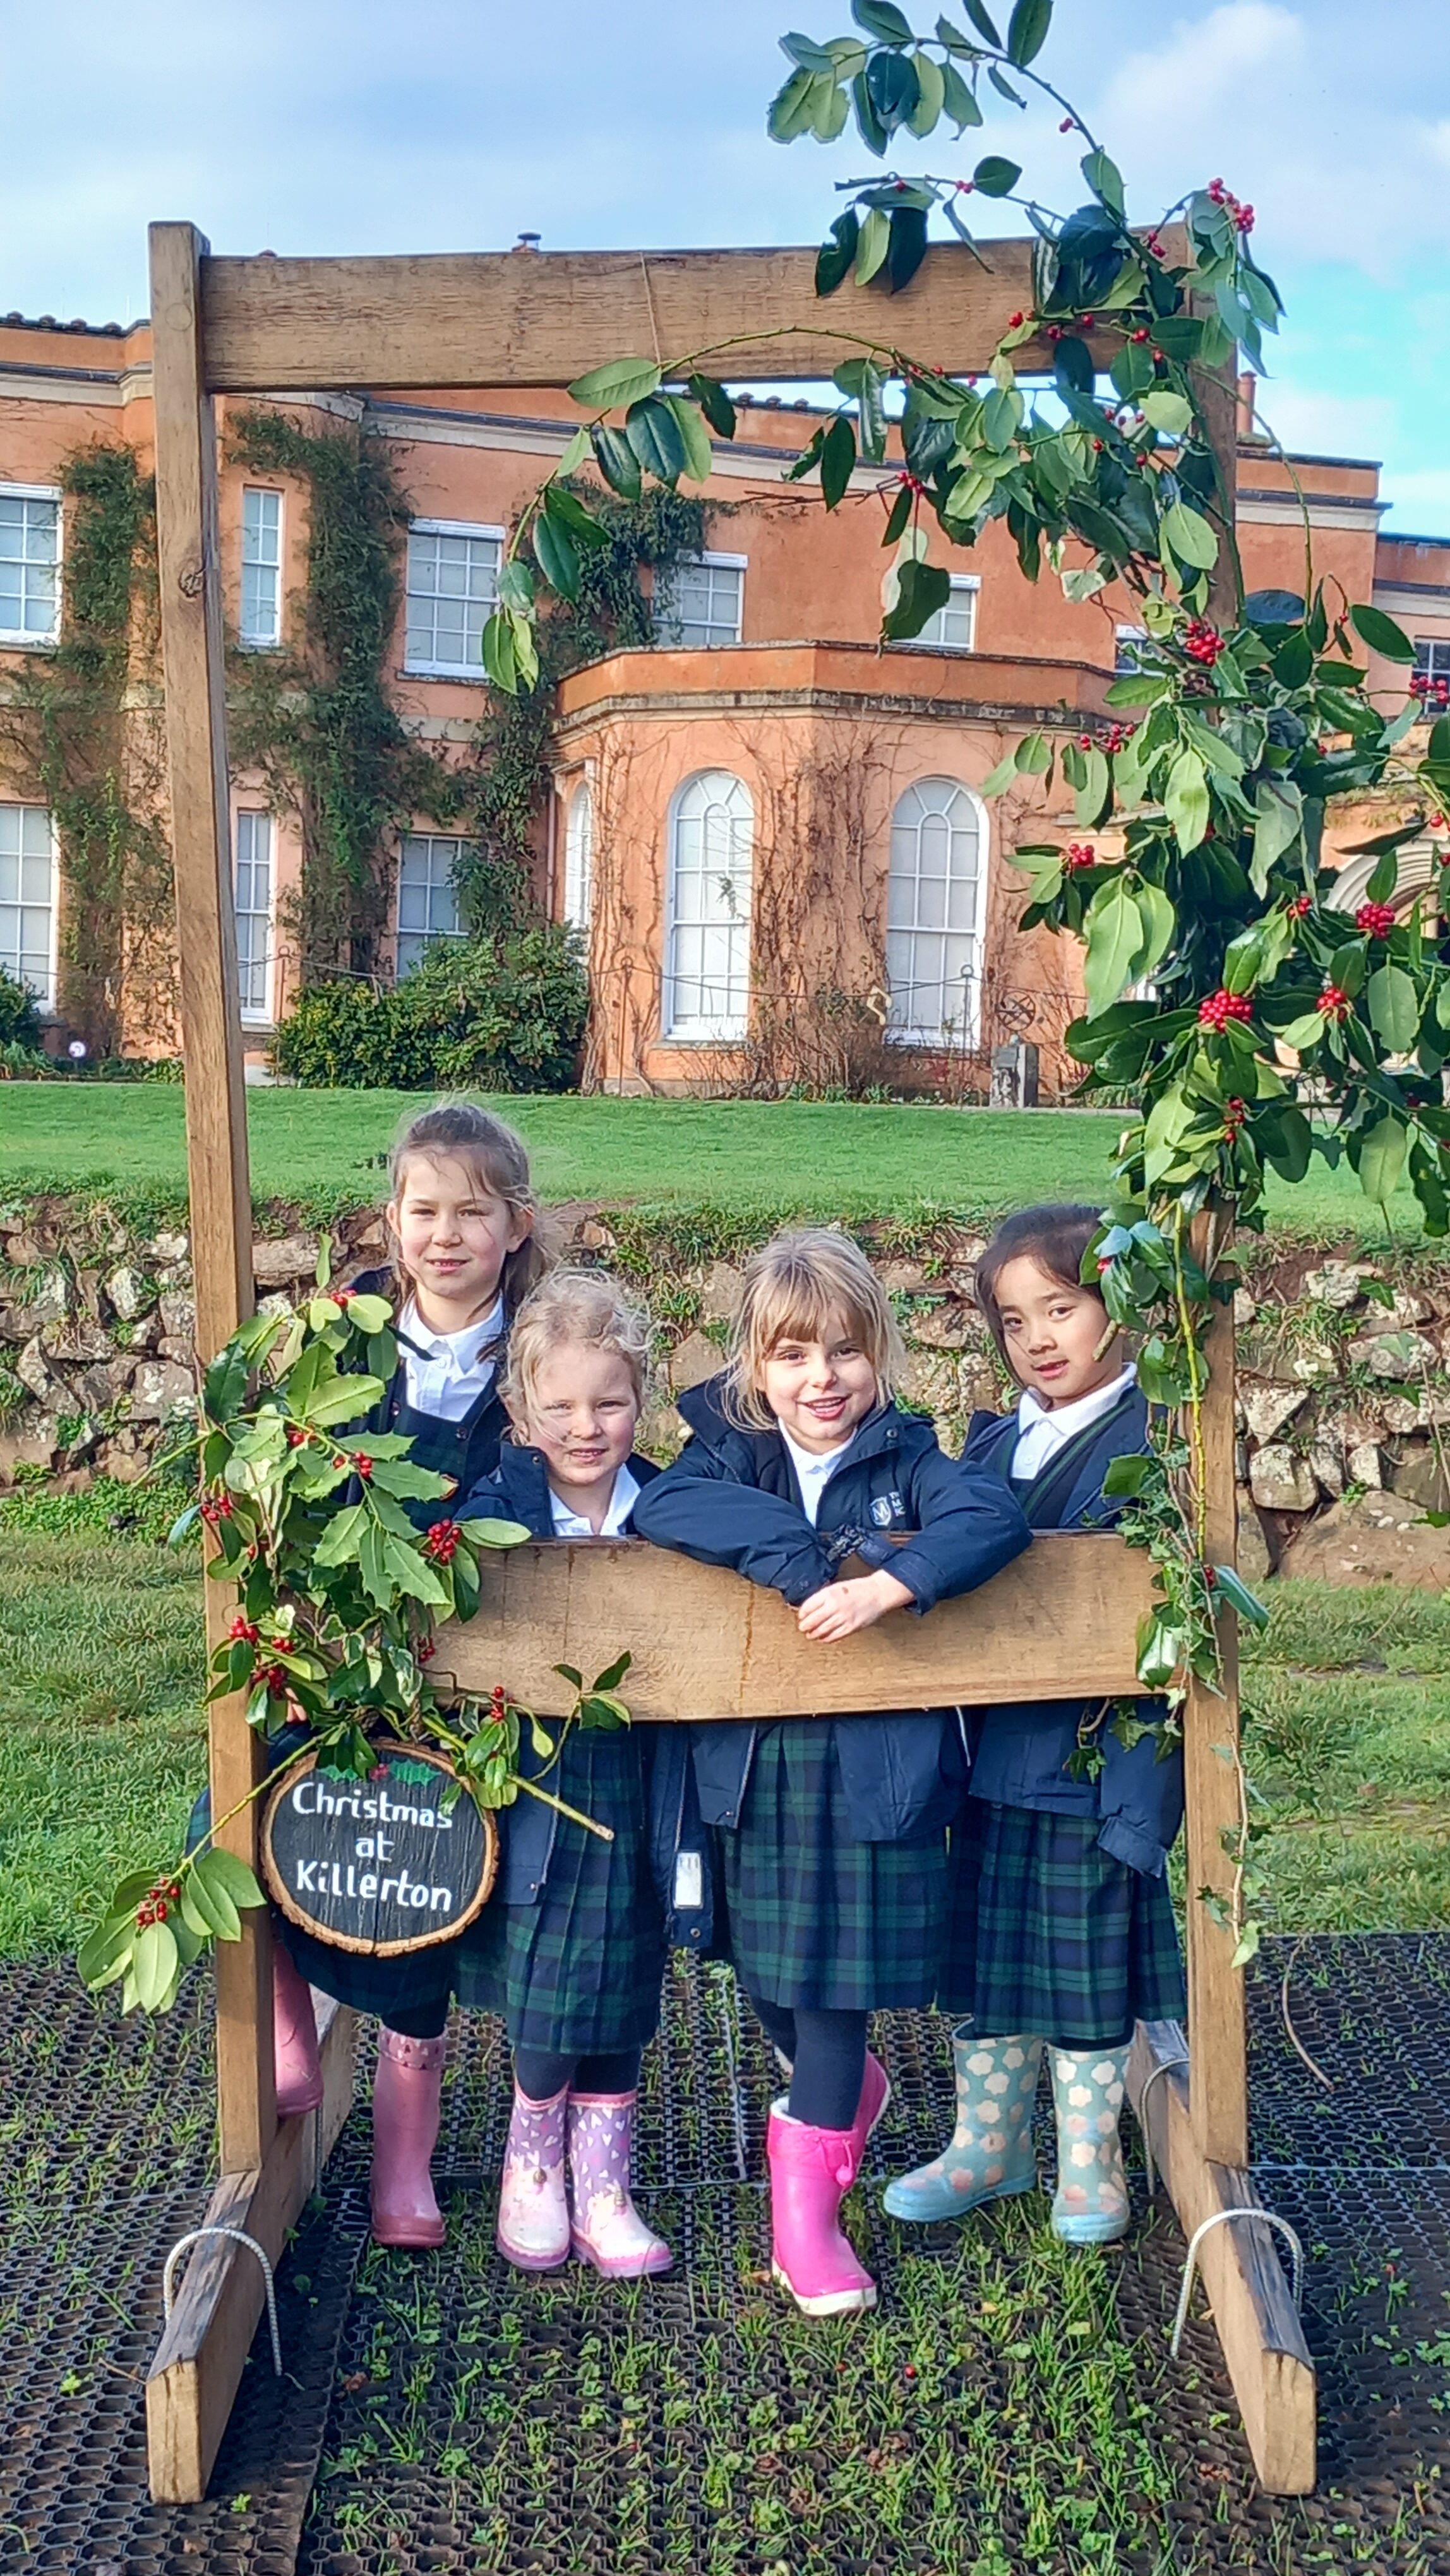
(269, 326)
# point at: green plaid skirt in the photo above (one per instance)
(815, 1917)
(579, 1972)
(1049, 1934)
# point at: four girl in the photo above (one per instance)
(1007, 1866)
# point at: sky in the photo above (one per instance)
(314, 126)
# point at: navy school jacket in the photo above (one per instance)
(732, 1498)
(1021, 1753)
(680, 1856)
(468, 1450)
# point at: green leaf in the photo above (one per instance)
(1159, 925)
(1092, 794)
(613, 1674)
(209, 1910)
(575, 453)
(999, 779)
(154, 1964)
(1190, 536)
(616, 460)
(1231, 1588)
(100, 1956)
(1027, 31)
(1286, 1139)
(1381, 633)
(1127, 1476)
(1381, 1159)
(1033, 756)
(556, 555)
(498, 653)
(836, 257)
(882, 20)
(995, 177)
(805, 51)
(1303, 1032)
(565, 507)
(923, 588)
(343, 1399)
(1113, 930)
(932, 91)
(1104, 178)
(1394, 1008)
(694, 438)
(838, 457)
(500, 1533)
(873, 243)
(983, 24)
(715, 403)
(1279, 819)
(959, 103)
(1168, 411)
(1185, 800)
(653, 433)
(410, 1573)
(1001, 417)
(608, 388)
(222, 1869)
(370, 1314)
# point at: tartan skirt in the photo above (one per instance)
(1047, 1934)
(578, 1972)
(816, 1918)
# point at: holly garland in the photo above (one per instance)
(338, 1597)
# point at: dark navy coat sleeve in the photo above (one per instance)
(700, 1508)
(968, 1525)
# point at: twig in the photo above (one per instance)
(1295, 2041)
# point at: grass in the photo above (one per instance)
(320, 1150)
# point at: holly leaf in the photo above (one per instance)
(1381, 633)
(995, 177)
(1027, 31)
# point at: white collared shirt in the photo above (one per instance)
(570, 1524)
(812, 1473)
(445, 1373)
(1040, 1433)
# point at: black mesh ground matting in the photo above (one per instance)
(1008, 2407)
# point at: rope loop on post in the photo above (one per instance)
(1268, 2218)
(238, 2236)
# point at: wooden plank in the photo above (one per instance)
(707, 1644)
(1217, 2011)
(193, 2379)
(542, 318)
(216, 1123)
(1262, 2340)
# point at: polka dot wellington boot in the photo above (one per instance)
(1090, 2206)
(989, 2155)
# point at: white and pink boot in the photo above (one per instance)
(608, 2230)
(533, 2205)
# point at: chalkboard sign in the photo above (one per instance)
(378, 1865)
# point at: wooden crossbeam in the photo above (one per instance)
(1060, 1622)
(490, 318)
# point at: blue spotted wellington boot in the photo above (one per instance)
(989, 2156)
(1090, 2206)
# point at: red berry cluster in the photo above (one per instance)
(363, 1463)
(1243, 215)
(1154, 247)
(912, 483)
(1067, 125)
(1119, 736)
(244, 1630)
(1015, 321)
(1377, 918)
(217, 1507)
(441, 1542)
(1301, 907)
(498, 1701)
(1077, 856)
(425, 1650)
(1223, 1006)
(297, 1438)
(1140, 337)
(157, 1902)
(275, 1681)
(1334, 1001)
(342, 1297)
(1202, 642)
(1234, 1114)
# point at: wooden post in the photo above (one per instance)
(216, 1116)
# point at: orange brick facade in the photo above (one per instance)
(768, 830)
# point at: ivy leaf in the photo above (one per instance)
(1190, 536)
(609, 388)
(1394, 1008)
(1113, 929)
(1027, 31)
(1185, 800)
(923, 589)
(1381, 633)
(1127, 1477)
(995, 177)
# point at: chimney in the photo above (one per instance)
(528, 241)
(1246, 405)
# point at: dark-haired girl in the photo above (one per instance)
(1062, 1931)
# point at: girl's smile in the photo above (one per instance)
(819, 1391)
(454, 1236)
(582, 1415)
(1052, 1332)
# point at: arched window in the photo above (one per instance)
(934, 914)
(579, 857)
(707, 957)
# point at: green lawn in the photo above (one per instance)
(320, 1150)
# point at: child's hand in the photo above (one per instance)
(842, 1608)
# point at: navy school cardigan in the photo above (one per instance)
(467, 1450)
(731, 1498)
(680, 1856)
(1022, 1753)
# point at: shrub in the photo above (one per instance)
(19, 1018)
(504, 1012)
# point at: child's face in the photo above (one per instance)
(582, 1413)
(819, 1391)
(1052, 1333)
(455, 1236)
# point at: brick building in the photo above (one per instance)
(769, 831)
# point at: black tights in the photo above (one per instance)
(539, 2074)
(827, 2056)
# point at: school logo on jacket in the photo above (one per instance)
(886, 1508)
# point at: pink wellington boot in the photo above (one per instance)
(810, 2172)
(533, 2206)
(608, 2230)
(407, 2101)
(294, 2037)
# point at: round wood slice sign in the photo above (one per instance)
(380, 1865)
